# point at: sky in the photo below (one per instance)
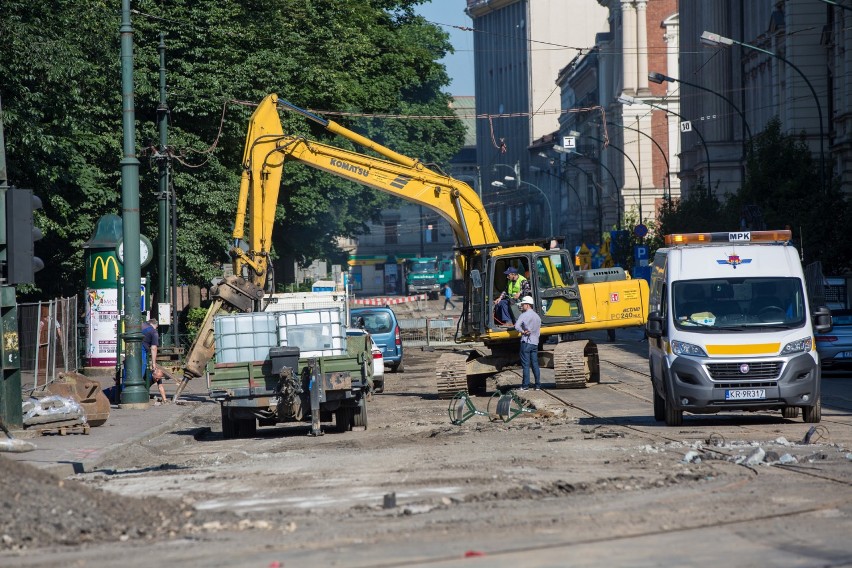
(460, 64)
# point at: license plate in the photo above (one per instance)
(844, 355)
(745, 394)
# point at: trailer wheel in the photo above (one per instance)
(246, 427)
(359, 416)
(229, 429)
(343, 419)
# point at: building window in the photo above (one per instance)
(430, 229)
(391, 232)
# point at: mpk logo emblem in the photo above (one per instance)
(734, 260)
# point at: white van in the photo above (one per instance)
(729, 327)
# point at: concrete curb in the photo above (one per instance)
(89, 465)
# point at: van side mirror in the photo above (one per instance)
(822, 319)
(655, 325)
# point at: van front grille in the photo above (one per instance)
(760, 371)
(745, 385)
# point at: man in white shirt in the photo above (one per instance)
(529, 326)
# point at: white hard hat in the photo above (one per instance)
(528, 300)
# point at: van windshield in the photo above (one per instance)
(738, 302)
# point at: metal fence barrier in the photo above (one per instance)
(433, 332)
(47, 339)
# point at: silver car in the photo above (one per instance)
(835, 346)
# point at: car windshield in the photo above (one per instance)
(376, 322)
(738, 302)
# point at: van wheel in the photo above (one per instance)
(399, 367)
(659, 405)
(673, 417)
(812, 414)
(790, 412)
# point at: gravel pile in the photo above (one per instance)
(38, 509)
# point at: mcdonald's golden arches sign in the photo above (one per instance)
(103, 270)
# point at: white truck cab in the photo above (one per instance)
(729, 327)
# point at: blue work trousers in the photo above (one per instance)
(503, 312)
(529, 357)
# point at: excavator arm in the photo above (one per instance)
(268, 148)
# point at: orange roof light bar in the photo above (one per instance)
(732, 237)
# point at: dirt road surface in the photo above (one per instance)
(589, 479)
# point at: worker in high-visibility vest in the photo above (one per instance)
(516, 288)
(584, 258)
(605, 252)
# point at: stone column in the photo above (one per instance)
(628, 45)
(642, 46)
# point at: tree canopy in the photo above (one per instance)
(61, 97)
(781, 189)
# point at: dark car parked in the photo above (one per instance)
(835, 347)
(384, 327)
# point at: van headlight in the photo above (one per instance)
(683, 348)
(802, 345)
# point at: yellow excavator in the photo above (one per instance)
(567, 301)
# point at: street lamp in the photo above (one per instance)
(563, 150)
(657, 144)
(628, 100)
(715, 40)
(659, 78)
(836, 4)
(632, 163)
(546, 198)
(571, 187)
(516, 169)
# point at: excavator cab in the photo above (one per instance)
(555, 288)
(550, 276)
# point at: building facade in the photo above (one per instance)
(769, 58)
(520, 47)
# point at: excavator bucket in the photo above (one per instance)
(87, 392)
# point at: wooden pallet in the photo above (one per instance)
(60, 430)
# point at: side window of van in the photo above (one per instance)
(656, 301)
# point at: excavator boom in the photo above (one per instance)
(267, 148)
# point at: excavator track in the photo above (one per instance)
(575, 363)
(451, 373)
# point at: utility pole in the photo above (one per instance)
(135, 394)
(163, 229)
(11, 416)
